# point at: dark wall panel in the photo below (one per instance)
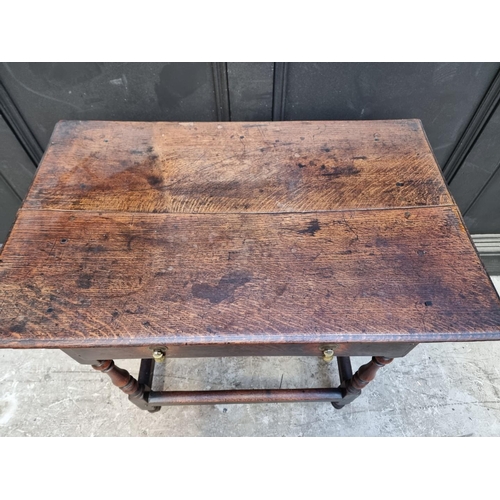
(16, 174)
(47, 92)
(484, 216)
(443, 95)
(479, 166)
(250, 91)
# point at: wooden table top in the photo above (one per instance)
(137, 234)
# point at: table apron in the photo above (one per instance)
(89, 355)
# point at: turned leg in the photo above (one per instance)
(129, 385)
(365, 374)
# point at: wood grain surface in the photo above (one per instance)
(79, 278)
(237, 167)
(251, 234)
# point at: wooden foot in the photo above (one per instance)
(360, 380)
(129, 385)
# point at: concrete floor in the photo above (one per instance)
(437, 390)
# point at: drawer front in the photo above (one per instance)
(389, 350)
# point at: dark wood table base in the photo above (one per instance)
(140, 393)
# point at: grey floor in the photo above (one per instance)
(437, 390)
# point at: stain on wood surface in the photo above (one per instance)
(371, 275)
(231, 167)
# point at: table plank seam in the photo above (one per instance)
(335, 210)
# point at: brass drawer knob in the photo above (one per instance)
(328, 355)
(159, 355)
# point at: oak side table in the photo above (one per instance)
(157, 240)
